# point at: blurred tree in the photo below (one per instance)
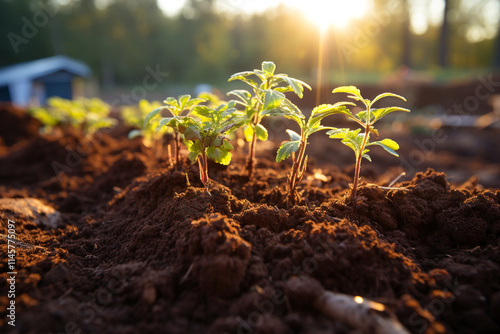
(407, 36)
(444, 36)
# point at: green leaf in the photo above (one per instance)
(193, 156)
(219, 155)
(324, 110)
(294, 136)
(367, 157)
(379, 113)
(387, 144)
(203, 111)
(134, 134)
(362, 116)
(340, 133)
(182, 101)
(244, 96)
(286, 149)
(387, 95)
(268, 67)
(228, 112)
(241, 76)
(194, 149)
(349, 90)
(248, 133)
(272, 99)
(192, 133)
(227, 146)
(296, 85)
(350, 138)
(193, 102)
(150, 116)
(165, 121)
(261, 132)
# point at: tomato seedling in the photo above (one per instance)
(203, 130)
(366, 118)
(88, 115)
(298, 143)
(268, 89)
(134, 116)
(179, 109)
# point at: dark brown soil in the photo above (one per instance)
(140, 250)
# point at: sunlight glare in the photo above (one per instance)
(336, 13)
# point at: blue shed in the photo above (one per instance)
(40, 79)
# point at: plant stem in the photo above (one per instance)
(297, 172)
(359, 157)
(176, 139)
(251, 157)
(202, 163)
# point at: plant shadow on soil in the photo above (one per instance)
(136, 248)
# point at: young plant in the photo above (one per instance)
(366, 118)
(88, 115)
(135, 115)
(298, 143)
(268, 89)
(185, 104)
(204, 133)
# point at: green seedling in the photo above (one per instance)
(134, 116)
(179, 109)
(297, 144)
(88, 115)
(268, 94)
(366, 118)
(204, 133)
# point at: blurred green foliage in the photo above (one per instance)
(121, 39)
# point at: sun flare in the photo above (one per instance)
(335, 13)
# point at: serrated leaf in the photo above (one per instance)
(261, 132)
(248, 133)
(227, 146)
(286, 149)
(182, 101)
(387, 144)
(204, 111)
(219, 155)
(150, 116)
(380, 96)
(339, 133)
(193, 156)
(192, 133)
(294, 136)
(165, 121)
(244, 95)
(272, 99)
(349, 90)
(296, 85)
(193, 102)
(228, 112)
(268, 67)
(194, 149)
(134, 134)
(262, 75)
(324, 110)
(379, 113)
(241, 77)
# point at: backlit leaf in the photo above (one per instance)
(272, 99)
(261, 132)
(268, 67)
(286, 149)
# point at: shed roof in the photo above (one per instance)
(40, 67)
